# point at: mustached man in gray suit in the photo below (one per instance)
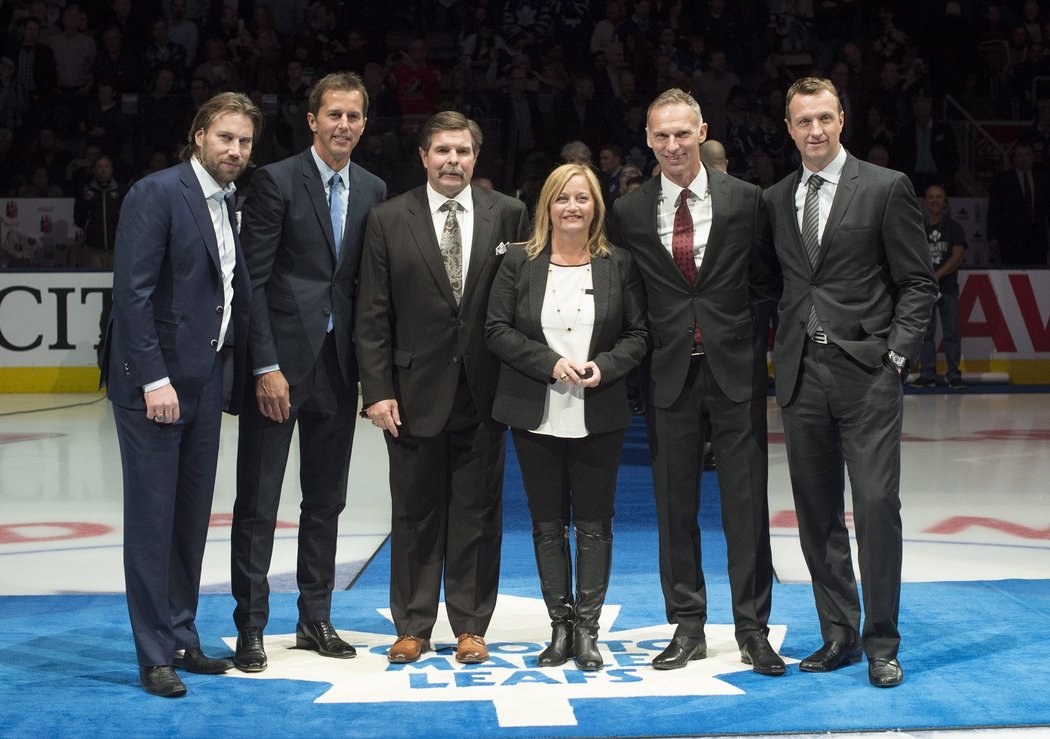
(857, 294)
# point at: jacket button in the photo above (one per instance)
(214, 343)
(327, 311)
(218, 309)
(455, 360)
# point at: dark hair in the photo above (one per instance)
(449, 120)
(224, 102)
(337, 82)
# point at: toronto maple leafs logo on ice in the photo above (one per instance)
(511, 679)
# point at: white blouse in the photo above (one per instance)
(567, 318)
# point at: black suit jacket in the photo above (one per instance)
(412, 337)
(1022, 241)
(515, 335)
(297, 280)
(168, 293)
(734, 274)
(873, 286)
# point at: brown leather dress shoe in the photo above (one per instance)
(407, 649)
(471, 649)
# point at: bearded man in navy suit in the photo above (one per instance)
(173, 360)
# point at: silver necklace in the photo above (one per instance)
(557, 305)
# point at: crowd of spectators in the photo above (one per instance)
(123, 78)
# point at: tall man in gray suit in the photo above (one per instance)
(428, 380)
(857, 294)
(695, 233)
(303, 226)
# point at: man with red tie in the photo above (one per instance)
(695, 234)
(1018, 212)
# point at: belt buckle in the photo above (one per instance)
(819, 337)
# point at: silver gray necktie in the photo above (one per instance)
(811, 239)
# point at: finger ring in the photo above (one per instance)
(374, 423)
(563, 376)
(158, 417)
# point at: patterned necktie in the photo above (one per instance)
(452, 248)
(682, 248)
(335, 207)
(682, 238)
(810, 238)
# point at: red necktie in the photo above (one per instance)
(682, 239)
(682, 247)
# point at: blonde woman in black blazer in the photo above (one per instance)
(567, 319)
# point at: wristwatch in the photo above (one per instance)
(898, 360)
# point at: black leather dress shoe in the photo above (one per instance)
(322, 638)
(885, 673)
(161, 680)
(831, 656)
(758, 653)
(194, 660)
(679, 652)
(250, 655)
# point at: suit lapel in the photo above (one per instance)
(787, 205)
(315, 194)
(198, 206)
(421, 226)
(481, 246)
(355, 212)
(844, 192)
(601, 282)
(539, 269)
(650, 204)
(721, 204)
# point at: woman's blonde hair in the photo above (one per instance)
(597, 243)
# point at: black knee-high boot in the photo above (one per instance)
(551, 541)
(593, 563)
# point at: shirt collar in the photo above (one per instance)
(207, 182)
(831, 173)
(327, 172)
(698, 186)
(436, 199)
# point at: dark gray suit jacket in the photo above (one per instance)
(732, 277)
(412, 338)
(873, 286)
(513, 332)
(297, 281)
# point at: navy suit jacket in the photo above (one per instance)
(297, 279)
(168, 293)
